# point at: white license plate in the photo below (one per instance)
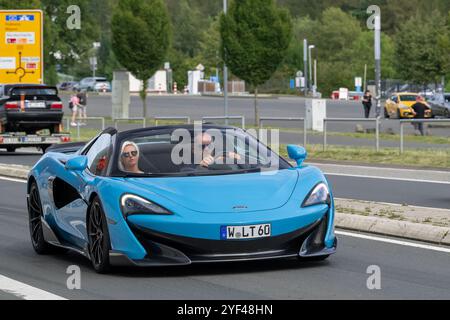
(36, 104)
(32, 139)
(245, 232)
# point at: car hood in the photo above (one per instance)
(225, 193)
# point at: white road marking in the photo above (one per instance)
(386, 178)
(392, 241)
(13, 179)
(24, 291)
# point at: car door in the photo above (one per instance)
(80, 185)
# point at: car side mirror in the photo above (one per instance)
(297, 153)
(78, 163)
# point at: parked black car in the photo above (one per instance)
(440, 105)
(30, 108)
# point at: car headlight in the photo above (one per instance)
(132, 204)
(319, 195)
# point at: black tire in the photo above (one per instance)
(398, 114)
(386, 114)
(11, 149)
(98, 236)
(35, 222)
(314, 259)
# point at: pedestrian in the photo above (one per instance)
(367, 103)
(74, 104)
(420, 109)
(82, 96)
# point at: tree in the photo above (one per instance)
(141, 38)
(334, 39)
(423, 44)
(187, 28)
(63, 47)
(255, 37)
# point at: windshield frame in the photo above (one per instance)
(140, 133)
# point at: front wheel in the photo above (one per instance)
(386, 114)
(35, 221)
(98, 235)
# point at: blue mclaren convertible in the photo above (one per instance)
(178, 195)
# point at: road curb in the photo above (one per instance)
(14, 171)
(401, 229)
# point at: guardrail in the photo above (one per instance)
(186, 119)
(227, 118)
(377, 129)
(68, 120)
(404, 121)
(305, 131)
(144, 121)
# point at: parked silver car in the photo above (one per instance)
(440, 105)
(98, 84)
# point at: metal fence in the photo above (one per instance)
(403, 122)
(204, 119)
(185, 119)
(144, 121)
(377, 129)
(305, 131)
(101, 119)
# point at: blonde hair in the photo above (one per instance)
(124, 145)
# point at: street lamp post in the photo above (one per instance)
(225, 75)
(305, 64)
(378, 63)
(93, 59)
(310, 66)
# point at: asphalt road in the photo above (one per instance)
(197, 107)
(406, 272)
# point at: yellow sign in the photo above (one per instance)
(21, 46)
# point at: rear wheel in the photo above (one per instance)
(11, 149)
(35, 221)
(399, 115)
(386, 114)
(99, 243)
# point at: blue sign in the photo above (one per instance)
(19, 17)
(292, 83)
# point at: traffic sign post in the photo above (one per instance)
(21, 46)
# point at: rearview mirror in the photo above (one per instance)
(297, 153)
(78, 163)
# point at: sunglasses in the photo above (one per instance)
(129, 154)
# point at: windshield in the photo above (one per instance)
(408, 98)
(17, 91)
(185, 152)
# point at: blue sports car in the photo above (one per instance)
(177, 195)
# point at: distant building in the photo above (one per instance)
(157, 83)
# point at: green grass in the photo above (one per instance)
(367, 136)
(393, 137)
(433, 158)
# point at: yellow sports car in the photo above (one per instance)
(399, 105)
